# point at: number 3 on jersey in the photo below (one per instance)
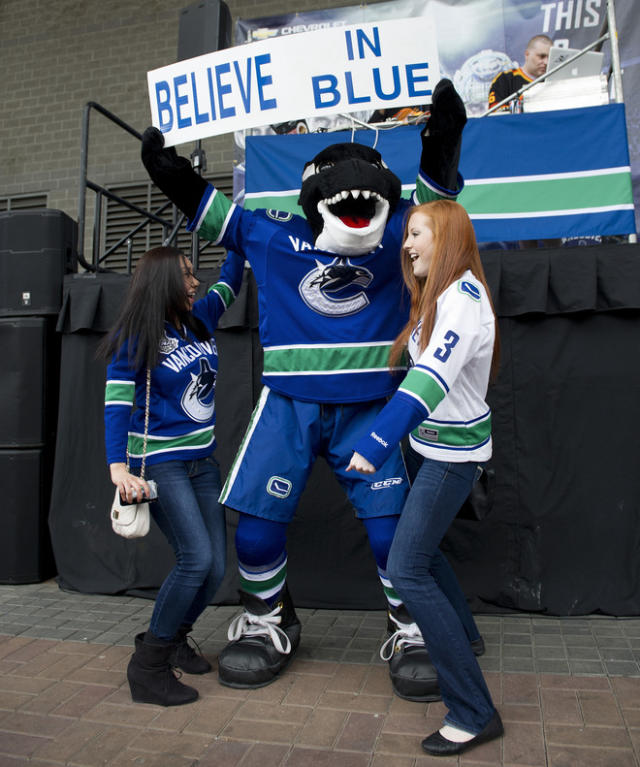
(450, 340)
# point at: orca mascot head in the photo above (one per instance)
(347, 194)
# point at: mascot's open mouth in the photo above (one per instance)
(355, 208)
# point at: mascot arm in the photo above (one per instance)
(441, 144)
(172, 174)
(210, 212)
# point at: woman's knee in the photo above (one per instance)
(197, 561)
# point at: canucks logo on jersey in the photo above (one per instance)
(197, 400)
(336, 289)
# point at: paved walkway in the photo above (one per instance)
(568, 691)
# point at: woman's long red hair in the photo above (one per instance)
(454, 251)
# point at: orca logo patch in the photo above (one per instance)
(336, 289)
(197, 400)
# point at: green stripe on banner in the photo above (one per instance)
(214, 220)
(155, 445)
(330, 358)
(547, 194)
(454, 436)
(424, 387)
(119, 392)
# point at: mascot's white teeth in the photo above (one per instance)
(355, 193)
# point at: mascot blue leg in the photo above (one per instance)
(266, 635)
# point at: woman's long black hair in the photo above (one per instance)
(156, 294)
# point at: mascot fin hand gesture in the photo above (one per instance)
(172, 174)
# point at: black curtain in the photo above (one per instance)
(560, 498)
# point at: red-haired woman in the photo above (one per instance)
(453, 345)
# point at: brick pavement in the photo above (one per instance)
(64, 698)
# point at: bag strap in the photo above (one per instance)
(146, 426)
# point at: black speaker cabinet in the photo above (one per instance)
(25, 544)
(204, 27)
(30, 381)
(37, 248)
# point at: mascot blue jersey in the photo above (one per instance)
(327, 321)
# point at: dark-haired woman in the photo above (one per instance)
(164, 330)
(452, 341)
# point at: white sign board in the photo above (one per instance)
(343, 69)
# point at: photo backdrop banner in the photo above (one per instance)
(574, 180)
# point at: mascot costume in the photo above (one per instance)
(331, 302)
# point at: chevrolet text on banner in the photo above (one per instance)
(344, 69)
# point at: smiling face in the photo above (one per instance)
(419, 243)
(191, 282)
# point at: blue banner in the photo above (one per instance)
(543, 175)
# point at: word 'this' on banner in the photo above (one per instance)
(344, 69)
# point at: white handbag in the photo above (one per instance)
(133, 520)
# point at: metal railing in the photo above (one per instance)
(170, 227)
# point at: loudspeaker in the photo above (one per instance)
(30, 381)
(25, 544)
(204, 27)
(37, 248)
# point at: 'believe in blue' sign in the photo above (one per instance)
(344, 69)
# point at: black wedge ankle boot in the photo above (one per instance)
(185, 657)
(151, 678)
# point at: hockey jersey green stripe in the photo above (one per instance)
(330, 359)
(547, 195)
(425, 193)
(119, 392)
(225, 293)
(215, 218)
(423, 387)
(197, 439)
(462, 435)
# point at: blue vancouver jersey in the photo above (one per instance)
(327, 321)
(181, 405)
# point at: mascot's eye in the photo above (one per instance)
(324, 166)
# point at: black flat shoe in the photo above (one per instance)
(437, 745)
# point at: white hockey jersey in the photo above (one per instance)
(441, 401)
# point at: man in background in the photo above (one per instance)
(536, 56)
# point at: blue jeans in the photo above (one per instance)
(188, 513)
(438, 492)
(440, 567)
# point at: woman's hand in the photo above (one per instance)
(133, 488)
(359, 463)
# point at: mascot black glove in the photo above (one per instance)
(442, 136)
(172, 174)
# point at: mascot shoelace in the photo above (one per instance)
(331, 302)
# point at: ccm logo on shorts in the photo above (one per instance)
(279, 487)
(384, 483)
